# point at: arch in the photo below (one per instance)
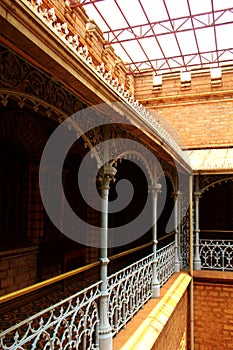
(215, 181)
(171, 178)
(14, 175)
(216, 209)
(19, 125)
(134, 154)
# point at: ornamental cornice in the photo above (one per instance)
(60, 30)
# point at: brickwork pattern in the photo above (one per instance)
(202, 114)
(17, 270)
(90, 35)
(174, 334)
(213, 316)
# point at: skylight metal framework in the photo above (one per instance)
(165, 35)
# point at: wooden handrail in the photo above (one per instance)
(46, 283)
(62, 277)
(217, 231)
(130, 251)
(66, 275)
(166, 236)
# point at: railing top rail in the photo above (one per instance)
(216, 240)
(130, 251)
(166, 236)
(47, 282)
(66, 275)
(165, 247)
(60, 303)
(216, 231)
(148, 257)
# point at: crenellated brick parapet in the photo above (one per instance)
(84, 35)
(198, 104)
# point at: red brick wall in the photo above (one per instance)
(213, 315)
(175, 333)
(201, 114)
(78, 24)
(18, 269)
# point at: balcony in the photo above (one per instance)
(216, 254)
(74, 322)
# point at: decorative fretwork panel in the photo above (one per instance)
(216, 254)
(70, 324)
(165, 263)
(129, 289)
(28, 84)
(185, 232)
(206, 181)
(73, 323)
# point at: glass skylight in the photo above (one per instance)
(166, 35)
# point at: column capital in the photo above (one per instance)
(155, 188)
(197, 193)
(177, 194)
(106, 175)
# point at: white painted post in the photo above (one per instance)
(155, 189)
(105, 177)
(176, 214)
(197, 195)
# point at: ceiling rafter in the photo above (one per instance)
(173, 40)
(79, 3)
(161, 61)
(162, 24)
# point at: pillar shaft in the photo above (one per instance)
(105, 177)
(197, 195)
(177, 231)
(155, 281)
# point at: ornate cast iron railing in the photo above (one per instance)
(216, 254)
(73, 323)
(70, 324)
(129, 289)
(166, 263)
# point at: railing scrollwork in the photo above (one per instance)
(216, 254)
(75, 322)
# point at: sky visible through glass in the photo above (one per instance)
(166, 35)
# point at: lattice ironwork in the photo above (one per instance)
(70, 324)
(73, 323)
(129, 289)
(216, 254)
(207, 181)
(165, 263)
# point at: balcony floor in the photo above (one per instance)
(138, 334)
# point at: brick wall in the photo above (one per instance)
(213, 310)
(175, 333)
(90, 35)
(201, 114)
(18, 269)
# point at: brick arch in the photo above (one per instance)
(19, 126)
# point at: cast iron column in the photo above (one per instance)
(105, 177)
(197, 195)
(177, 231)
(155, 189)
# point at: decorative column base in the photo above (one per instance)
(105, 340)
(105, 330)
(177, 266)
(197, 264)
(155, 282)
(156, 290)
